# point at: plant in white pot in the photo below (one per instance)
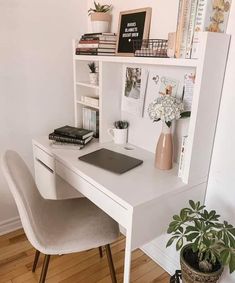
(93, 75)
(206, 244)
(100, 17)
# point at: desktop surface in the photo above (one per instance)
(136, 187)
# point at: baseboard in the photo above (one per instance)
(160, 255)
(10, 225)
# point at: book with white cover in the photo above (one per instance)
(191, 24)
(185, 24)
(182, 156)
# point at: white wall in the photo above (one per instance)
(221, 187)
(164, 14)
(36, 88)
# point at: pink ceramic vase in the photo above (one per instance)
(164, 150)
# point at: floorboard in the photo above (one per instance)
(16, 259)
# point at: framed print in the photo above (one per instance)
(133, 24)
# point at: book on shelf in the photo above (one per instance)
(190, 31)
(67, 139)
(92, 100)
(106, 50)
(211, 16)
(93, 43)
(185, 24)
(182, 156)
(73, 132)
(65, 145)
(91, 120)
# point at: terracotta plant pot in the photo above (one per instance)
(191, 275)
(100, 22)
(164, 149)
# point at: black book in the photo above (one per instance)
(73, 132)
(60, 138)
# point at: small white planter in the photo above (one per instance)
(94, 78)
(100, 22)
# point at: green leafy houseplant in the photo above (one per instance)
(121, 124)
(211, 241)
(92, 67)
(99, 8)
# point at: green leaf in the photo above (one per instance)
(198, 224)
(171, 229)
(185, 114)
(179, 244)
(232, 263)
(192, 236)
(191, 229)
(171, 240)
(168, 124)
(192, 204)
(231, 240)
(232, 231)
(177, 218)
(225, 256)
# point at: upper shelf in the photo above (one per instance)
(140, 60)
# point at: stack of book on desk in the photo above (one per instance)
(97, 44)
(68, 135)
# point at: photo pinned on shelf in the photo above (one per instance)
(135, 83)
(159, 84)
(168, 86)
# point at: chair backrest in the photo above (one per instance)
(24, 190)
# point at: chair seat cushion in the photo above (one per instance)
(66, 226)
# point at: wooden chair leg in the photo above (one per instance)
(44, 269)
(110, 262)
(37, 254)
(101, 252)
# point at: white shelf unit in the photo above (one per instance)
(201, 126)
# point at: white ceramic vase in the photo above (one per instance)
(100, 22)
(94, 78)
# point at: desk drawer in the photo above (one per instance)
(106, 203)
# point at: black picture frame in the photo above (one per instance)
(133, 24)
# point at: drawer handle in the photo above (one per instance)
(44, 165)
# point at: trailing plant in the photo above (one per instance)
(121, 124)
(213, 241)
(99, 8)
(92, 67)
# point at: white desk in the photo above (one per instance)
(142, 200)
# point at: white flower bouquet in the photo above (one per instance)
(167, 108)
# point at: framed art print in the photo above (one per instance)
(133, 24)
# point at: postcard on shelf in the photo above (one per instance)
(159, 83)
(135, 83)
(189, 80)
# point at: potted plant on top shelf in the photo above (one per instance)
(100, 17)
(93, 75)
(210, 243)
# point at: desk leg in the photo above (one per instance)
(127, 263)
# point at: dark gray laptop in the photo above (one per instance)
(110, 160)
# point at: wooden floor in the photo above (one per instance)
(16, 258)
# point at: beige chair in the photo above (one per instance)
(57, 226)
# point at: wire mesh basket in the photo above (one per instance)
(150, 47)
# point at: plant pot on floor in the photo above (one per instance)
(190, 271)
(100, 22)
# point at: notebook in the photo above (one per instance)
(110, 160)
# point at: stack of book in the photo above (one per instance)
(194, 17)
(97, 44)
(71, 135)
(91, 120)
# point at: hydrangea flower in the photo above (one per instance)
(166, 108)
